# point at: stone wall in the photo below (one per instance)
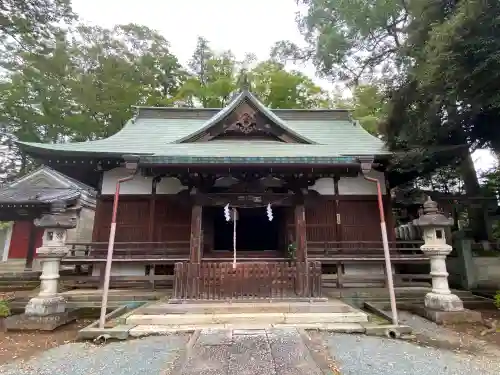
(481, 272)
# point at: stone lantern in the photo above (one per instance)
(434, 226)
(49, 302)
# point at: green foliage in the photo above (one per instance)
(215, 77)
(84, 86)
(350, 40)
(280, 88)
(27, 23)
(369, 106)
(497, 299)
(5, 224)
(4, 309)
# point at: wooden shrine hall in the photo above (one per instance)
(235, 202)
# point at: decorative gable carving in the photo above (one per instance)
(246, 117)
(246, 122)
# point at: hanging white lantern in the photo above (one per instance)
(269, 211)
(227, 214)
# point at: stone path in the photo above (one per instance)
(249, 352)
(284, 351)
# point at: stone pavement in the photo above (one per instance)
(250, 352)
(283, 351)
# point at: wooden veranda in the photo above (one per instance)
(160, 260)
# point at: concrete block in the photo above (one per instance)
(143, 330)
(250, 332)
(253, 326)
(450, 317)
(248, 319)
(343, 327)
(351, 317)
(120, 332)
(25, 322)
(387, 330)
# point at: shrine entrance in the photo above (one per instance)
(254, 231)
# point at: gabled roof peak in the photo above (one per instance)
(239, 99)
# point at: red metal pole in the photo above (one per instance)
(387, 254)
(111, 244)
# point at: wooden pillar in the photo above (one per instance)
(152, 208)
(300, 233)
(195, 240)
(151, 223)
(301, 250)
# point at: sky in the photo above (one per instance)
(241, 26)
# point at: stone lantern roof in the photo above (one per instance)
(59, 217)
(431, 216)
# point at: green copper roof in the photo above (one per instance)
(161, 133)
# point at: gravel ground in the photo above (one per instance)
(431, 334)
(359, 355)
(150, 356)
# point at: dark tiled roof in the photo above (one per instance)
(37, 195)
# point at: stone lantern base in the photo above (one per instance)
(42, 306)
(443, 302)
(448, 308)
(24, 322)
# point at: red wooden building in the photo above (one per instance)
(302, 164)
(28, 198)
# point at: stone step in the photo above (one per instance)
(161, 308)
(247, 319)
(250, 329)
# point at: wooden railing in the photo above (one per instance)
(365, 250)
(219, 280)
(128, 251)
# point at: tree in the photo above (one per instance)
(280, 88)
(447, 97)
(28, 24)
(430, 56)
(216, 77)
(213, 77)
(350, 40)
(369, 106)
(86, 85)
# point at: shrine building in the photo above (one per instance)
(291, 177)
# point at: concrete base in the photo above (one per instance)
(447, 317)
(24, 322)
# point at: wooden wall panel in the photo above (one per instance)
(360, 220)
(172, 222)
(321, 221)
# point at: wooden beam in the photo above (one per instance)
(195, 240)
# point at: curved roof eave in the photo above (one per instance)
(245, 94)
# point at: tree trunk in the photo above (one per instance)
(476, 211)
